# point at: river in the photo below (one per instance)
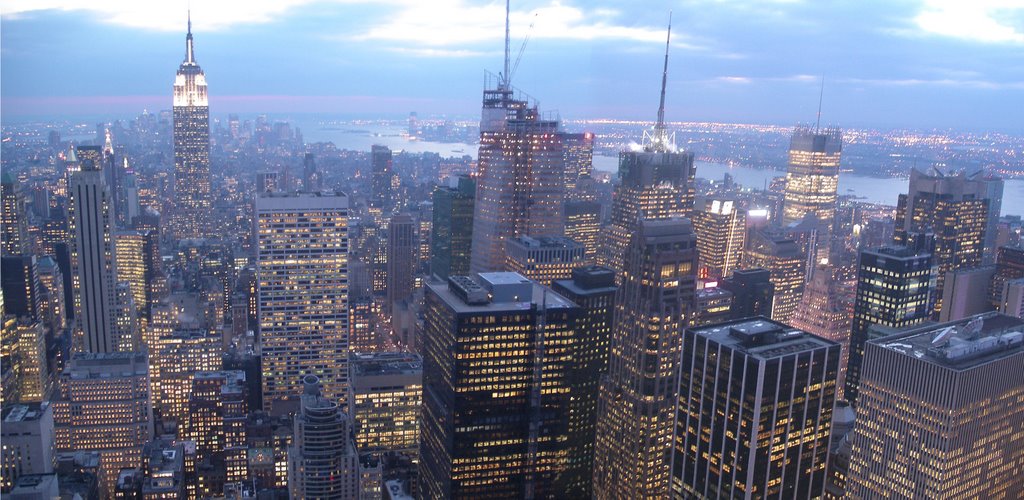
(865, 188)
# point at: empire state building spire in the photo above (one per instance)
(190, 56)
(191, 146)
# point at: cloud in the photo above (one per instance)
(161, 16)
(977, 20)
(457, 22)
(943, 82)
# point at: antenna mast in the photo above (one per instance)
(821, 95)
(505, 76)
(664, 78)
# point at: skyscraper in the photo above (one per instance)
(578, 152)
(380, 193)
(401, 263)
(544, 259)
(826, 310)
(322, 460)
(656, 183)
(755, 411)
(452, 232)
(583, 224)
(752, 293)
(637, 399)
(939, 412)
(490, 428)
(521, 183)
(191, 148)
(104, 405)
(387, 398)
(312, 180)
(812, 177)
(786, 262)
(303, 293)
(892, 291)
(15, 225)
(217, 420)
(962, 211)
(721, 234)
(92, 254)
(593, 289)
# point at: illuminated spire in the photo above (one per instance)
(658, 139)
(190, 57)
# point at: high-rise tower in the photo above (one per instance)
(15, 226)
(636, 404)
(191, 147)
(960, 210)
(521, 186)
(656, 183)
(92, 254)
(812, 178)
(303, 293)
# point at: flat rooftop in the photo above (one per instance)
(962, 344)
(762, 338)
(538, 295)
(385, 363)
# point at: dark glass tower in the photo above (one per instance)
(380, 159)
(892, 291)
(755, 411)
(191, 147)
(489, 430)
(593, 289)
(452, 232)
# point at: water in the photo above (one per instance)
(865, 188)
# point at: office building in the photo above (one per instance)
(362, 325)
(387, 397)
(583, 225)
(775, 444)
(164, 469)
(216, 422)
(956, 431)
(34, 376)
(826, 310)
(812, 177)
(269, 181)
(721, 229)
(22, 290)
(1009, 267)
(787, 263)
(380, 189)
(893, 290)
(637, 399)
(92, 254)
(104, 405)
(544, 259)
(13, 217)
(312, 179)
(711, 305)
(303, 293)
(138, 263)
(655, 183)
(401, 260)
(593, 289)
(28, 440)
(962, 211)
(578, 154)
(191, 116)
(452, 232)
(968, 291)
(322, 459)
(520, 188)
(489, 427)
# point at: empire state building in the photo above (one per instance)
(191, 147)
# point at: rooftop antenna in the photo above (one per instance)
(664, 78)
(821, 94)
(658, 140)
(505, 76)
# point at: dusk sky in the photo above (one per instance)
(887, 63)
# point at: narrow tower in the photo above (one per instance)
(191, 147)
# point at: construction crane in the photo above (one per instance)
(522, 48)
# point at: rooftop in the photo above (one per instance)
(544, 242)
(495, 292)
(24, 412)
(961, 344)
(385, 363)
(762, 338)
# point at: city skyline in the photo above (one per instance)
(883, 65)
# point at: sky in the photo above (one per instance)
(947, 64)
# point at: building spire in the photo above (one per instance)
(821, 95)
(190, 57)
(664, 79)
